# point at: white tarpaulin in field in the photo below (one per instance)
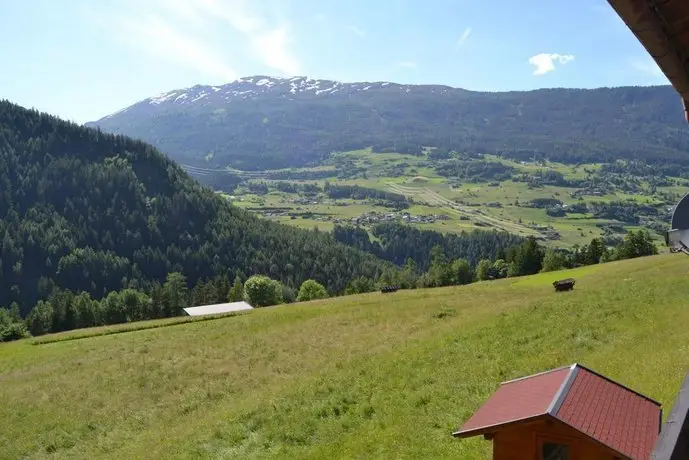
(218, 308)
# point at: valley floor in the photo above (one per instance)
(367, 376)
(452, 205)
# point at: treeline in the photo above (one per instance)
(356, 192)
(629, 211)
(541, 178)
(291, 187)
(396, 243)
(526, 258)
(334, 191)
(64, 310)
(644, 169)
(263, 187)
(222, 181)
(289, 174)
(522, 259)
(81, 210)
(405, 147)
(474, 170)
(543, 203)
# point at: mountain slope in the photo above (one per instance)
(262, 122)
(84, 210)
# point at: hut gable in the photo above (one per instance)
(611, 414)
(517, 400)
(609, 417)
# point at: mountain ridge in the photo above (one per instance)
(269, 82)
(298, 84)
(265, 122)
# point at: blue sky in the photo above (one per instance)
(83, 59)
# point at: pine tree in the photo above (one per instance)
(595, 251)
(553, 261)
(484, 270)
(236, 293)
(462, 272)
(176, 293)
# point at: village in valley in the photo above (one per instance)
(559, 204)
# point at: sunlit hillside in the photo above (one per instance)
(369, 376)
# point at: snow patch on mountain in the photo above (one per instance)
(159, 99)
(256, 86)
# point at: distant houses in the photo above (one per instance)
(372, 218)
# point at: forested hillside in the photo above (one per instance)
(87, 211)
(260, 123)
(397, 243)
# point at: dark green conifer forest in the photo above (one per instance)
(86, 211)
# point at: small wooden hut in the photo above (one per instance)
(570, 413)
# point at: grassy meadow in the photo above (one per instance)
(366, 376)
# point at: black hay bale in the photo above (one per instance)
(564, 285)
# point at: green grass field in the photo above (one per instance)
(368, 376)
(417, 176)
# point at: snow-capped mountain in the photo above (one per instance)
(263, 122)
(293, 88)
(249, 87)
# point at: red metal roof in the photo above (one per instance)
(518, 400)
(607, 412)
(611, 414)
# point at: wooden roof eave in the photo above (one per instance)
(491, 429)
(662, 27)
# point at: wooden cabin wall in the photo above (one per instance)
(519, 442)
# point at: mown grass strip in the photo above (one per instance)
(126, 327)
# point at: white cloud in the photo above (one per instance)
(234, 12)
(186, 32)
(357, 31)
(273, 48)
(270, 43)
(157, 37)
(407, 64)
(464, 36)
(545, 62)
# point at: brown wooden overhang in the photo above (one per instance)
(662, 27)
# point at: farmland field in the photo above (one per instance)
(453, 204)
(366, 376)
